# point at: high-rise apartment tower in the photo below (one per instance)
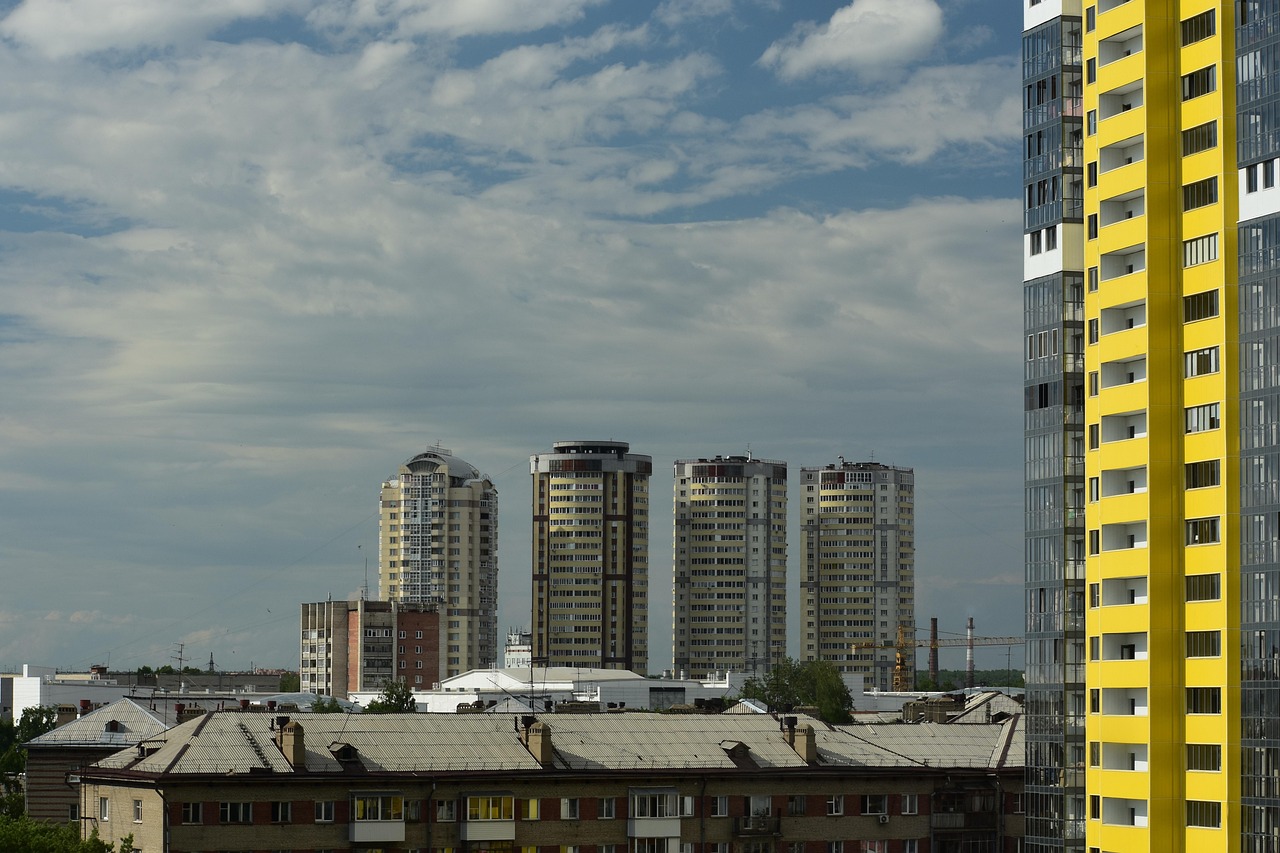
(1053, 422)
(858, 587)
(591, 556)
(1181, 253)
(729, 565)
(438, 544)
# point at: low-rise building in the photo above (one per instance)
(346, 647)
(592, 783)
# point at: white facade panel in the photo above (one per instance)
(1265, 201)
(1040, 264)
(1037, 12)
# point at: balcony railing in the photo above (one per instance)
(756, 825)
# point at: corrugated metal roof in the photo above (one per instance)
(134, 723)
(230, 742)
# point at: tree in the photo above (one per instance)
(793, 683)
(34, 722)
(395, 698)
(326, 705)
(290, 682)
(24, 835)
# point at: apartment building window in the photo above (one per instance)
(380, 807)
(1093, 383)
(1200, 250)
(1202, 137)
(229, 812)
(1202, 418)
(796, 805)
(874, 804)
(1200, 194)
(490, 808)
(1095, 648)
(1095, 807)
(1094, 433)
(1091, 122)
(104, 808)
(193, 813)
(569, 808)
(1092, 172)
(1199, 475)
(1202, 531)
(1095, 700)
(1095, 595)
(137, 811)
(910, 803)
(606, 808)
(529, 809)
(1204, 813)
(281, 812)
(1090, 19)
(324, 811)
(719, 806)
(1204, 644)
(1095, 754)
(1204, 700)
(1095, 543)
(1198, 27)
(1200, 362)
(1204, 587)
(1204, 756)
(835, 804)
(1200, 306)
(1199, 82)
(1035, 243)
(1051, 238)
(1091, 71)
(912, 845)
(1093, 226)
(1093, 279)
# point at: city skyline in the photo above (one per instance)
(258, 254)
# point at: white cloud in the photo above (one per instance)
(869, 36)
(61, 28)
(451, 18)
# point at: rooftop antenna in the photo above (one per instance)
(364, 591)
(178, 656)
(749, 450)
(211, 669)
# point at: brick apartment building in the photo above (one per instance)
(593, 783)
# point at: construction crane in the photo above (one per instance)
(904, 670)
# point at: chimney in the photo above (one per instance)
(85, 706)
(289, 739)
(803, 741)
(537, 739)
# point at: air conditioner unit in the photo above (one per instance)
(884, 818)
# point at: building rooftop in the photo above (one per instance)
(237, 743)
(121, 723)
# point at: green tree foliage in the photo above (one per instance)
(326, 705)
(395, 698)
(290, 682)
(24, 835)
(34, 722)
(793, 683)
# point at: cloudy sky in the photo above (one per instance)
(256, 253)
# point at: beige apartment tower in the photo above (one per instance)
(729, 565)
(591, 556)
(859, 567)
(438, 544)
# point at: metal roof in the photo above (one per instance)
(227, 742)
(133, 723)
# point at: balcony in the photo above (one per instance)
(756, 825)
(377, 831)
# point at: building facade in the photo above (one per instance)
(591, 556)
(858, 588)
(438, 544)
(729, 565)
(358, 646)
(1053, 422)
(1181, 223)
(593, 783)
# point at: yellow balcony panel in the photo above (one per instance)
(1109, 837)
(1206, 785)
(1131, 453)
(1203, 109)
(1204, 838)
(1121, 167)
(1124, 69)
(1207, 219)
(1204, 445)
(1207, 670)
(1115, 16)
(1118, 729)
(1122, 507)
(1120, 125)
(1126, 784)
(1125, 398)
(1205, 333)
(1208, 501)
(1204, 615)
(1128, 341)
(1121, 235)
(1121, 562)
(1207, 728)
(1121, 619)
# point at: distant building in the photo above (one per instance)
(729, 565)
(591, 556)
(519, 650)
(350, 646)
(595, 783)
(523, 690)
(438, 545)
(858, 586)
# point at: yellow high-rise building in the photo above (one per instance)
(1164, 181)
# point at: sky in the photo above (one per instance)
(254, 254)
